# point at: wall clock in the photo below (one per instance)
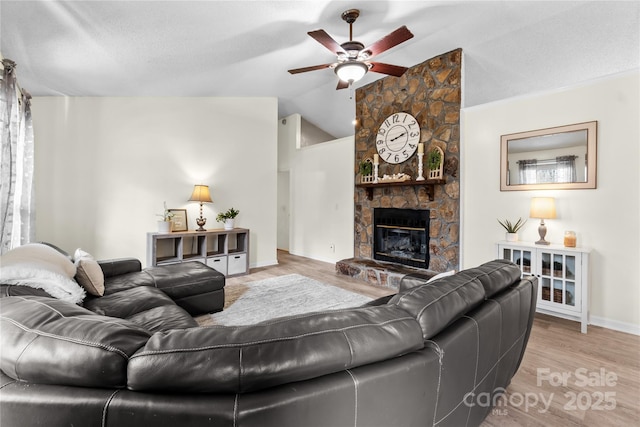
(398, 138)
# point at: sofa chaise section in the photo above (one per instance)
(193, 286)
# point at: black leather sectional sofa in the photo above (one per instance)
(416, 359)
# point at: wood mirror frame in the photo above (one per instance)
(547, 146)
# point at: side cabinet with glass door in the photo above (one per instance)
(563, 277)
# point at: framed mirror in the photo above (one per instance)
(559, 158)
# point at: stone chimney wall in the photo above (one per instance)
(431, 92)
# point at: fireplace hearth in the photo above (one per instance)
(401, 236)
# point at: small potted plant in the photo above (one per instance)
(512, 228)
(166, 224)
(228, 218)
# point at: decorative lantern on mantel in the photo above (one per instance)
(435, 162)
(366, 171)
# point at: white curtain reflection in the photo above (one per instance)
(566, 166)
(528, 171)
(559, 170)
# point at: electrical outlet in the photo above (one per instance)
(332, 247)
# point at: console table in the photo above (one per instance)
(563, 277)
(227, 251)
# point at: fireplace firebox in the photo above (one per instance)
(401, 236)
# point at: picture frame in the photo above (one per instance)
(179, 219)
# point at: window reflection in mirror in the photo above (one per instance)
(563, 157)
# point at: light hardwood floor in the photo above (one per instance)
(566, 378)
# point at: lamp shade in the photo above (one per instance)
(200, 194)
(351, 71)
(543, 208)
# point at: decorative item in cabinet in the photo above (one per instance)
(557, 296)
(518, 256)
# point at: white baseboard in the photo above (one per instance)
(628, 328)
(264, 264)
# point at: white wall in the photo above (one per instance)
(105, 165)
(322, 182)
(289, 137)
(606, 219)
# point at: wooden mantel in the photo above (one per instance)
(429, 185)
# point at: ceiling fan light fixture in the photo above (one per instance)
(351, 71)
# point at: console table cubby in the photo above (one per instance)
(563, 277)
(227, 251)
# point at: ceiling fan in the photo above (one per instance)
(354, 60)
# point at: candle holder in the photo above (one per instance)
(375, 173)
(420, 167)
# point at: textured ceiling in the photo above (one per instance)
(244, 48)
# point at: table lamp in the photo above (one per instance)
(543, 208)
(201, 194)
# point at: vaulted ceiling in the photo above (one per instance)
(244, 48)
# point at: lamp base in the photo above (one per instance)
(542, 231)
(201, 222)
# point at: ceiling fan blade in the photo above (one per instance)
(312, 68)
(392, 70)
(400, 35)
(342, 85)
(327, 41)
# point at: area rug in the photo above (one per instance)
(282, 296)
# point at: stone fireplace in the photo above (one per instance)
(401, 236)
(430, 92)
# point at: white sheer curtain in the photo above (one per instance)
(17, 216)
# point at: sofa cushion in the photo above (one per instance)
(48, 341)
(417, 279)
(122, 282)
(119, 266)
(176, 280)
(163, 318)
(88, 273)
(19, 291)
(40, 266)
(185, 279)
(249, 358)
(439, 303)
(494, 275)
(145, 306)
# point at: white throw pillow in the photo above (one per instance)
(89, 274)
(40, 266)
(441, 275)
